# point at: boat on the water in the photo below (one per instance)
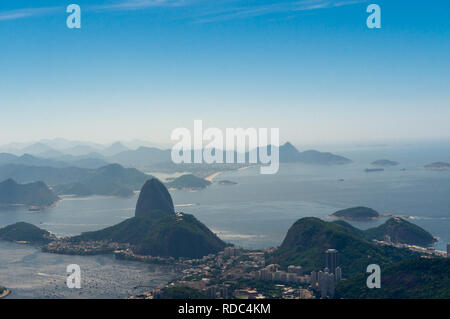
(369, 170)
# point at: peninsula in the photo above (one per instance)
(438, 166)
(36, 194)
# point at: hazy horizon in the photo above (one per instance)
(65, 145)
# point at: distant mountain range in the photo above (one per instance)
(57, 147)
(290, 154)
(112, 180)
(91, 161)
(142, 157)
(94, 156)
(30, 160)
(63, 153)
(33, 194)
(50, 175)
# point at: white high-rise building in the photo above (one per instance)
(338, 274)
(331, 259)
(231, 251)
(295, 269)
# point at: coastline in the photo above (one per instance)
(211, 177)
(362, 219)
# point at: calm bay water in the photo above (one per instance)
(254, 213)
(29, 273)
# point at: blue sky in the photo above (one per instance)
(140, 68)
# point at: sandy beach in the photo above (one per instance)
(212, 176)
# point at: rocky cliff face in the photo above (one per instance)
(154, 197)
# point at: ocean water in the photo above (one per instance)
(260, 209)
(254, 213)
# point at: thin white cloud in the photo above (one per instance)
(140, 4)
(27, 13)
(234, 9)
(118, 5)
(244, 12)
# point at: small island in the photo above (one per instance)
(359, 213)
(438, 166)
(384, 163)
(25, 233)
(188, 182)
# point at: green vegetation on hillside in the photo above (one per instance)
(162, 234)
(308, 239)
(396, 230)
(417, 278)
(401, 231)
(157, 231)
